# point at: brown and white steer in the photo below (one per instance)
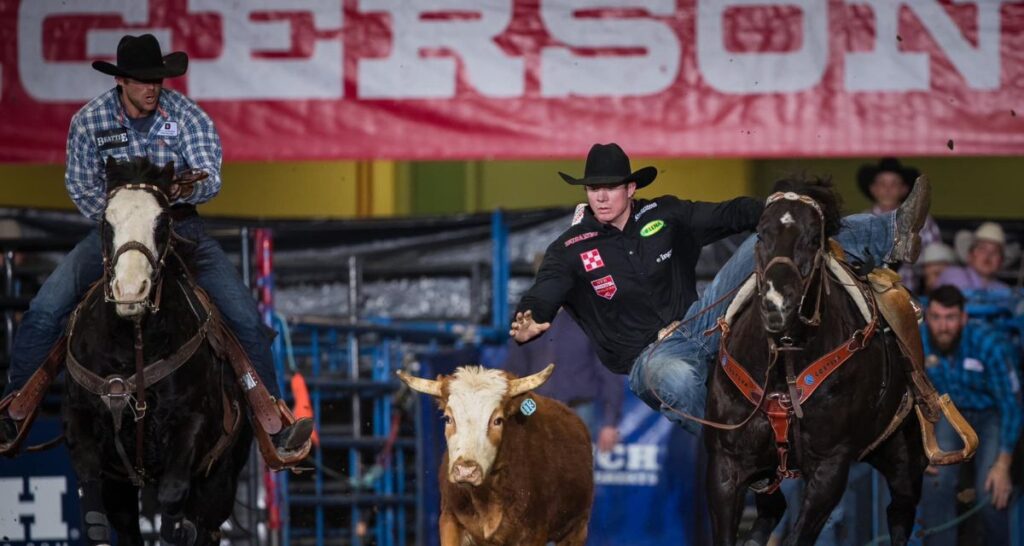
(510, 477)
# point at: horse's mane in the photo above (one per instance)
(821, 189)
(136, 170)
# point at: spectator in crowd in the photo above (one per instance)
(887, 183)
(579, 381)
(985, 252)
(976, 366)
(935, 258)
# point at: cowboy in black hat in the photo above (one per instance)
(625, 270)
(139, 118)
(886, 183)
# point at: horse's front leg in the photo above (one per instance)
(825, 484)
(726, 489)
(175, 483)
(87, 460)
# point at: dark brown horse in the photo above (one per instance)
(183, 432)
(806, 315)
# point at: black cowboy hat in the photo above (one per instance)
(607, 164)
(139, 58)
(867, 173)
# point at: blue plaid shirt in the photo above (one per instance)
(980, 375)
(182, 133)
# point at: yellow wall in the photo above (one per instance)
(520, 184)
(964, 187)
(313, 189)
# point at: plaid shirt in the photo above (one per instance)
(182, 133)
(980, 375)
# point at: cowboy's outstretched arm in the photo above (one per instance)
(541, 302)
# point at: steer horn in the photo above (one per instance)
(419, 384)
(530, 382)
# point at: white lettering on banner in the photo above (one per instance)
(628, 464)
(886, 68)
(65, 81)
(564, 73)
(237, 74)
(46, 509)
(765, 72)
(418, 25)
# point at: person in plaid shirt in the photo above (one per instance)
(140, 118)
(976, 366)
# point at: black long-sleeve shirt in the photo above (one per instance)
(624, 286)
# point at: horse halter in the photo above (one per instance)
(157, 263)
(819, 257)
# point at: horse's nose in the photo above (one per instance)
(131, 291)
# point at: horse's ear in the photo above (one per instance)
(111, 167)
(167, 173)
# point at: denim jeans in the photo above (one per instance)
(938, 495)
(671, 376)
(45, 320)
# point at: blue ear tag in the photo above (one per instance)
(528, 407)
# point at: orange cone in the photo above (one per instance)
(303, 408)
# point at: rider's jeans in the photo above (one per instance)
(671, 376)
(47, 316)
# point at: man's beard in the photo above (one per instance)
(948, 348)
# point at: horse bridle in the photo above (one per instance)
(816, 267)
(156, 262)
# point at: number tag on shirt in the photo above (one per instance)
(973, 365)
(169, 128)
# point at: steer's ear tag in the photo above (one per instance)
(528, 407)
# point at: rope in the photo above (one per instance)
(941, 527)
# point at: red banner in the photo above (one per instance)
(448, 79)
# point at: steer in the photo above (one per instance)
(519, 468)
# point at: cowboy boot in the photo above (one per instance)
(910, 218)
(294, 436)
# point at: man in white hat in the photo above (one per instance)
(985, 251)
(935, 258)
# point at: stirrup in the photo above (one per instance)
(274, 459)
(935, 454)
(13, 445)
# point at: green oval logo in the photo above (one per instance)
(652, 227)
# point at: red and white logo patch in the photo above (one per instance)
(591, 260)
(605, 287)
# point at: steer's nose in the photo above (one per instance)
(466, 472)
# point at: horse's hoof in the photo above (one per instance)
(178, 533)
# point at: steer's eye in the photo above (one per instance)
(446, 419)
(498, 421)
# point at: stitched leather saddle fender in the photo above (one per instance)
(270, 415)
(901, 314)
(23, 405)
